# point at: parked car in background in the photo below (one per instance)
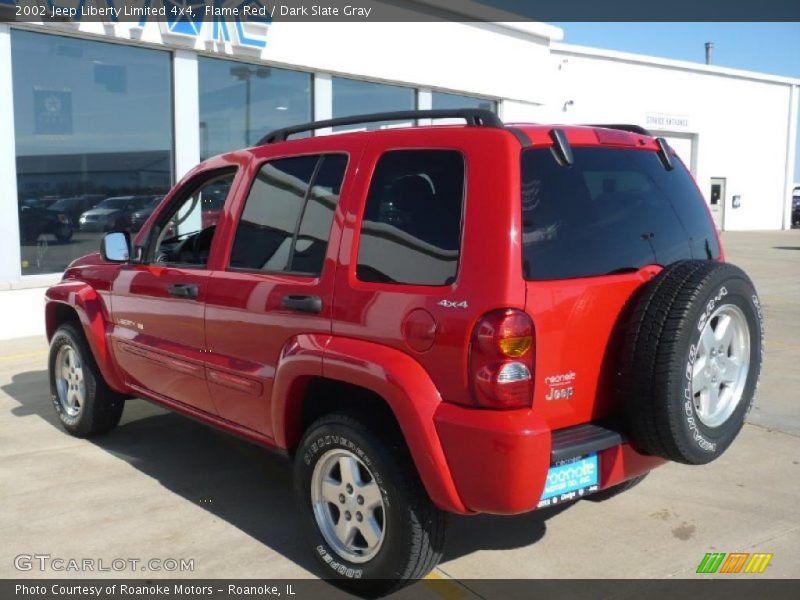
(796, 207)
(113, 213)
(34, 220)
(75, 206)
(213, 201)
(139, 217)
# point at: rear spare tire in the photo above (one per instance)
(691, 360)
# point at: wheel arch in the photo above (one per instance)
(79, 303)
(363, 376)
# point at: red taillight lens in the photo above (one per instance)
(501, 360)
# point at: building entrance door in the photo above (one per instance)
(717, 201)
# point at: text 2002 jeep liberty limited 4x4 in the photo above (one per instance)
(452, 318)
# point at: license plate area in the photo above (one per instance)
(570, 479)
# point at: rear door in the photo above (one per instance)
(159, 303)
(277, 284)
(593, 233)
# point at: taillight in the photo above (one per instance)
(501, 360)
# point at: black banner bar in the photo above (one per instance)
(374, 11)
(700, 587)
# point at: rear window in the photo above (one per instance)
(613, 210)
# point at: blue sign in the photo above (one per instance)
(571, 477)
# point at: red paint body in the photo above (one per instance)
(234, 358)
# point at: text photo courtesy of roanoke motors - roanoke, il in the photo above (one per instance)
(399, 298)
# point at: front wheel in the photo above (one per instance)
(84, 403)
(368, 518)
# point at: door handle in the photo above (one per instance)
(307, 304)
(183, 290)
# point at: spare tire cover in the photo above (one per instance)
(691, 360)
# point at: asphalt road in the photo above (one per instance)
(162, 486)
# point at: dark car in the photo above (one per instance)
(75, 206)
(796, 207)
(140, 216)
(112, 213)
(34, 220)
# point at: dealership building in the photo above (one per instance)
(97, 110)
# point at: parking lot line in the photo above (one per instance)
(444, 587)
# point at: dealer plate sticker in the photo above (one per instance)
(570, 480)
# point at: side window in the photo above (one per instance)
(186, 231)
(287, 218)
(411, 230)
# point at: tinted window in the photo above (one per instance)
(411, 230)
(353, 97)
(287, 218)
(315, 226)
(445, 100)
(80, 132)
(239, 103)
(614, 209)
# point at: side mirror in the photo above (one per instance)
(116, 246)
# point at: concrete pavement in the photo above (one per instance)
(162, 486)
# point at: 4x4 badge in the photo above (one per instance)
(452, 304)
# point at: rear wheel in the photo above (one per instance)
(369, 520)
(84, 403)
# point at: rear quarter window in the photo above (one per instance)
(411, 230)
(613, 210)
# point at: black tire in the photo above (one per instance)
(615, 490)
(414, 527)
(64, 233)
(102, 406)
(660, 348)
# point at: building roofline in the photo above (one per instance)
(685, 65)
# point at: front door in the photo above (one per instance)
(717, 201)
(158, 302)
(275, 295)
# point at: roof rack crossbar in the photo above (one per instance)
(624, 127)
(473, 116)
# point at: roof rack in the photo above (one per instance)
(473, 116)
(622, 127)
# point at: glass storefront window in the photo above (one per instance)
(353, 97)
(89, 156)
(240, 103)
(442, 100)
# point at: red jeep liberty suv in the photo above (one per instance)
(472, 318)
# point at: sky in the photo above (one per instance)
(765, 47)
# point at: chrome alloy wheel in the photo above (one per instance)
(720, 368)
(70, 384)
(348, 505)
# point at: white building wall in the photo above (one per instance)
(740, 124)
(723, 123)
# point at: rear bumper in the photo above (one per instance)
(499, 459)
